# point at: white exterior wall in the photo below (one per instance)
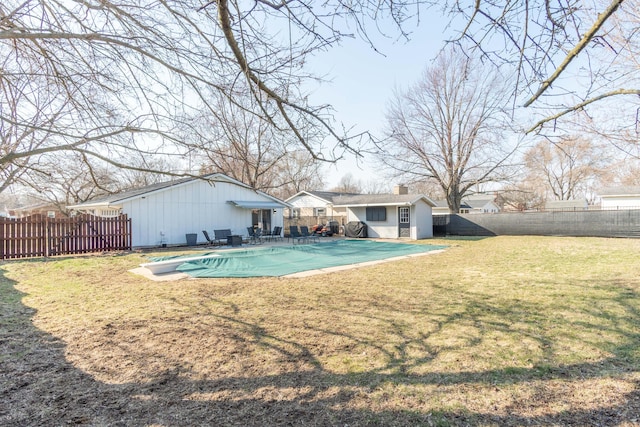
(421, 222)
(191, 208)
(306, 203)
(377, 229)
(620, 202)
(489, 207)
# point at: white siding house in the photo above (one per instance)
(620, 198)
(391, 216)
(165, 213)
(315, 203)
(479, 203)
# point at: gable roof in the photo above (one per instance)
(381, 200)
(325, 196)
(443, 204)
(478, 201)
(628, 190)
(114, 199)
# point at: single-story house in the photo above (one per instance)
(620, 198)
(391, 215)
(442, 207)
(166, 212)
(316, 204)
(479, 203)
(47, 209)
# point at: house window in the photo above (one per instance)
(376, 213)
(464, 211)
(404, 215)
(51, 214)
(295, 213)
(319, 212)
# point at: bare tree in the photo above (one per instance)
(119, 80)
(552, 43)
(567, 169)
(63, 181)
(296, 172)
(447, 128)
(348, 184)
(240, 144)
(522, 196)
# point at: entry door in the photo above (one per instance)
(404, 222)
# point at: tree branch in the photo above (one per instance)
(602, 18)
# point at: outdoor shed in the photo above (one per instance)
(166, 212)
(391, 215)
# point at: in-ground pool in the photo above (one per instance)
(285, 260)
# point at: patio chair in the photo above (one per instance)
(221, 236)
(276, 233)
(208, 238)
(273, 234)
(304, 230)
(294, 233)
(255, 236)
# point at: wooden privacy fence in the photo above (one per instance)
(39, 235)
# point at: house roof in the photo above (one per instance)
(620, 191)
(325, 196)
(478, 201)
(443, 204)
(118, 198)
(381, 200)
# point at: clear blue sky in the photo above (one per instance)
(362, 82)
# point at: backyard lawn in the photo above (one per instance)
(496, 331)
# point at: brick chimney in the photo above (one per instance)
(400, 189)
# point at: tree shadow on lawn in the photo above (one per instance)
(39, 386)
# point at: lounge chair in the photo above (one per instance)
(208, 238)
(294, 233)
(304, 230)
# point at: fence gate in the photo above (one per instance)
(39, 235)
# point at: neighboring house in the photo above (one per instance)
(567, 205)
(316, 204)
(46, 209)
(391, 215)
(620, 198)
(166, 212)
(442, 208)
(479, 203)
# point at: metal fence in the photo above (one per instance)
(39, 235)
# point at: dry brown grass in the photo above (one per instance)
(498, 331)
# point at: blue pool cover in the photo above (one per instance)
(284, 260)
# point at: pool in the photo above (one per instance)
(286, 260)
